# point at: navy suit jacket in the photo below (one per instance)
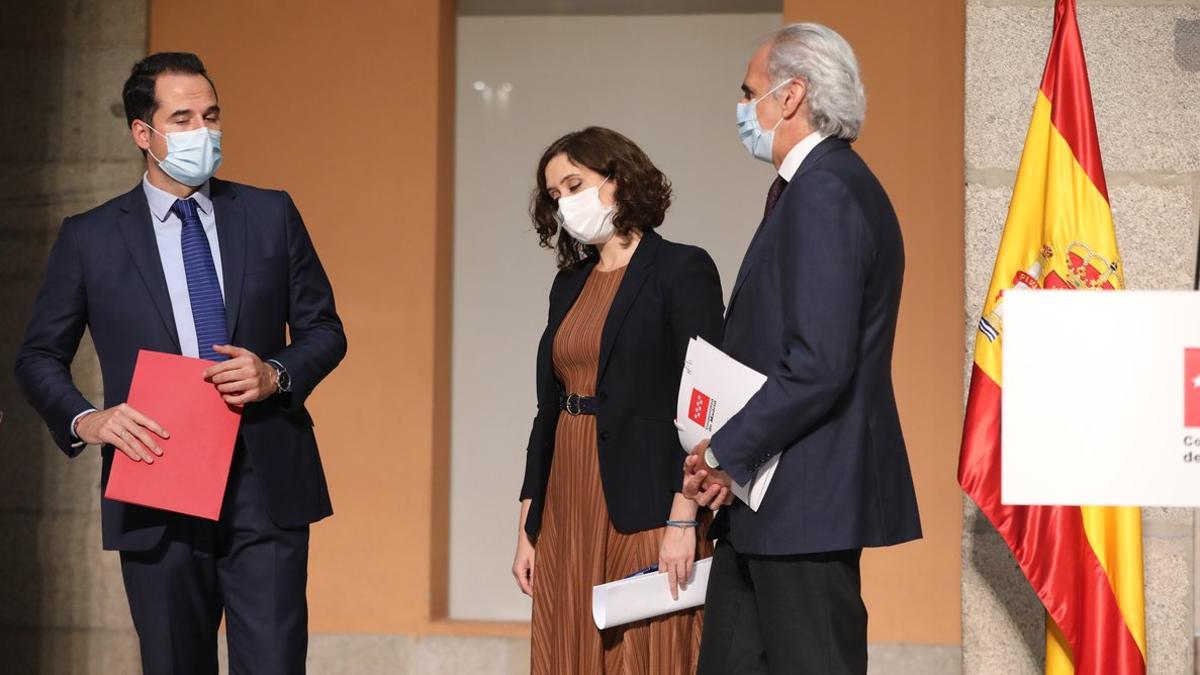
(814, 307)
(669, 294)
(104, 274)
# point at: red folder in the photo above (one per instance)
(191, 474)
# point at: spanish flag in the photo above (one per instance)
(1084, 563)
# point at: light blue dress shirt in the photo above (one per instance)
(167, 231)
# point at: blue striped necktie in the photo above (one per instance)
(204, 290)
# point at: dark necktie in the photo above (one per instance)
(773, 195)
(204, 291)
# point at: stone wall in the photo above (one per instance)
(64, 148)
(1144, 61)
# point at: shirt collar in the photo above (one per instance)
(796, 156)
(161, 201)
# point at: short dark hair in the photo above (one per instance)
(138, 95)
(643, 192)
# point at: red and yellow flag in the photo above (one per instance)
(1084, 563)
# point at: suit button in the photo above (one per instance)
(602, 397)
(604, 435)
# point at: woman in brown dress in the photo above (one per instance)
(601, 497)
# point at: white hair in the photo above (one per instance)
(823, 60)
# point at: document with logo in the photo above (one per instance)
(713, 388)
(643, 596)
(190, 476)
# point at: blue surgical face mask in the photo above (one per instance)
(757, 141)
(192, 156)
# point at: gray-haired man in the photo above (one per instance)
(814, 307)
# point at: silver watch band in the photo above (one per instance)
(280, 373)
(710, 458)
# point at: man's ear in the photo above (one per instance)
(140, 132)
(794, 96)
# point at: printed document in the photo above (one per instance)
(713, 388)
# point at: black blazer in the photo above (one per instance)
(814, 307)
(670, 293)
(104, 274)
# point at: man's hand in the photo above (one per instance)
(692, 480)
(244, 378)
(705, 486)
(124, 428)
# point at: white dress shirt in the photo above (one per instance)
(796, 156)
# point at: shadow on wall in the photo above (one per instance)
(1187, 44)
(29, 76)
(62, 64)
(989, 558)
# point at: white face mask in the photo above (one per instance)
(192, 156)
(585, 217)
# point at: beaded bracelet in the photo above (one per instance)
(683, 524)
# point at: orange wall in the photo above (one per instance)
(350, 108)
(912, 57)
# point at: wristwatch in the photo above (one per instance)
(283, 381)
(710, 459)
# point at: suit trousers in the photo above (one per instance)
(243, 566)
(799, 614)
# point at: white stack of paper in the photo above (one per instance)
(645, 596)
(714, 387)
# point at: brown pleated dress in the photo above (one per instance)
(578, 547)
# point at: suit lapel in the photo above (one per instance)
(137, 229)
(231, 237)
(752, 253)
(750, 258)
(631, 285)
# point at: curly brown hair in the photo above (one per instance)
(643, 193)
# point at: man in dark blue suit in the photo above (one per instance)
(814, 307)
(189, 264)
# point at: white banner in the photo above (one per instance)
(1101, 398)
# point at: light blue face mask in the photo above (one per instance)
(192, 156)
(757, 141)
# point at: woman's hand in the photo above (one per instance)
(676, 555)
(522, 567)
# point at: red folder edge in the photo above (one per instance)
(191, 475)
